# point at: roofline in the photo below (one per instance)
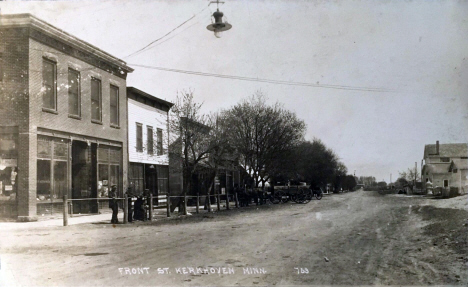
(151, 97)
(27, 19)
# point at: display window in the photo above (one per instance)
(8, 166)
(52, 168)
(109, 159)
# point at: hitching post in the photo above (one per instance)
(168, 204)
(218, 199)
(151, 207)
(125, 209)
(71, 208)
(227, 198)
(65, 210)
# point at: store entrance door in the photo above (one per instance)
(84, 183)
(151, 183)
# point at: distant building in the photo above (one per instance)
(228, 170)
(446, 166)
(148, 167)
(63, 119)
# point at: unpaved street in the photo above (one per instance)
(359, 238)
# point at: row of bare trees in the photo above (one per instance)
(266, 140)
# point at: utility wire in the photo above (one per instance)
(278, 82)
(168, 33)
(167, 39)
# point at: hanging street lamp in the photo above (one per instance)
(218, 26)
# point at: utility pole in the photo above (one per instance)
(415, 172)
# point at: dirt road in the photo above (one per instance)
(359, 238)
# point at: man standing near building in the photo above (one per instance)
(113, 204)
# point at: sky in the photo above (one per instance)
(408, 60)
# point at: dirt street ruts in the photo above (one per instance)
(356, 238)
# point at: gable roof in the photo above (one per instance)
(447, 150)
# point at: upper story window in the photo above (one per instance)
(74, 97)
(139, 137)
(114, 105)
(444, 159)
(96, 100)
(150, 141)
(159, 142)
(49, 84)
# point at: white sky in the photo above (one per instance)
(417, 48)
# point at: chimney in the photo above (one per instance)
(437, 147)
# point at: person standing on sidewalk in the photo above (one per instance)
(113, 204)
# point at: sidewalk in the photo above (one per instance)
(93, 218)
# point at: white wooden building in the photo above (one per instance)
(148, 167)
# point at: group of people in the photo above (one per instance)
(137, 210)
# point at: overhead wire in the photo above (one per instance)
(167, 34)
(165, 40)
(271, 81)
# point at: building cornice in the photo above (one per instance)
(65, 42)
(133, 90)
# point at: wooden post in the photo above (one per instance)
(151, 207)
(185, 204)
(65, 210)
(237, 200)
(198, 202)
(168, 204)
(71, 208)
(125, 209)
(227, 199)
(218, 199)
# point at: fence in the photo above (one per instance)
(126, 203)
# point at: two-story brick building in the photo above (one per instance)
(63, 118)
(446, 166)
(148, 118)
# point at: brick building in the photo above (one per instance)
(63, 119)
(148, 143)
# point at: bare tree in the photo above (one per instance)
(260, 133)
(411, 176)
(221, 151)
(190, 142)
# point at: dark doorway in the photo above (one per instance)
(151, 182)
(84, 184)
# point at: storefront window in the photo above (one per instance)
(103, 181)
(135, 178)
(60, 179)
(114, 175)
(7, 145)
(43, 148)
(8, 165)
(163, 179)
(43, 179)
(52, 168)
(109, 169)
(60, 150)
